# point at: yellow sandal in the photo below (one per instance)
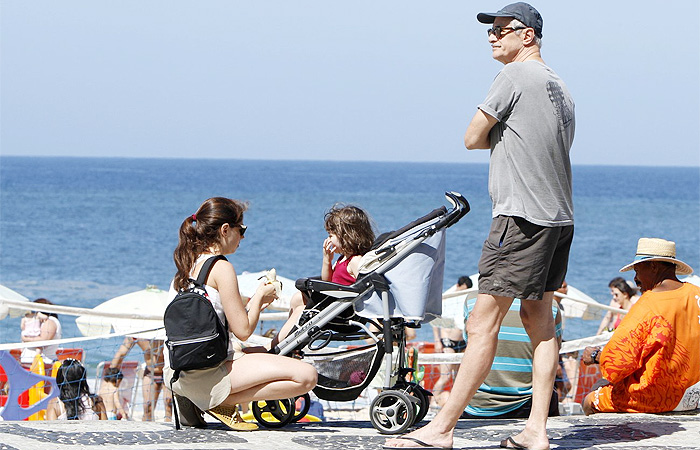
(229, 416)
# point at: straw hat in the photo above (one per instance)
(654, 249)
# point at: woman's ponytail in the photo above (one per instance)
(200, 231)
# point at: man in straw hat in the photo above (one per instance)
(652, 361)
(527, 121)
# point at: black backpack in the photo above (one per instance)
(196, 337)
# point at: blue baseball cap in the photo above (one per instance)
(522, 11)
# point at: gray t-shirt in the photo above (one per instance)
(530, 170)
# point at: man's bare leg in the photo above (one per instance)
(482, 330)
(539, 324)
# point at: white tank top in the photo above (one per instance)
(87, 414)
(214, 298)
(48, 352)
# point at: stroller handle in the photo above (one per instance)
(460, 207)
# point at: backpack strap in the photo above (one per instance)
(176, 412)
(204, 274)
(206, 268)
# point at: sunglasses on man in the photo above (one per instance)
(498, 31)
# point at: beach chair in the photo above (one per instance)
(129, 386)
(77, 354)
(399, 285)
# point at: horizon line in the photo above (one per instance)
(215, 158)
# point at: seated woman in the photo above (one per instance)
(217, 229)
(350, 235)
(74, 402)
(623, 297)
(49, 328)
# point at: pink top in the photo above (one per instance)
(340, 273)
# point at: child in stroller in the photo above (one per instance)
(399, 285)
(350, 234)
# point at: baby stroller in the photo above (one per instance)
(399, 286)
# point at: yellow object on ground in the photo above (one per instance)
(36, 392)
(229, 416)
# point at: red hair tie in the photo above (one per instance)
(194, 217)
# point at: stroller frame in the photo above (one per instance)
(312, 330)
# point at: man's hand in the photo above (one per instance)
(590, 355)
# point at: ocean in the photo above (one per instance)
(80, 231)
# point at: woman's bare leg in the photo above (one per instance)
(262, 376)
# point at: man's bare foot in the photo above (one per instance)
(426, 436)
(525, 440)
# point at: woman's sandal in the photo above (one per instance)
(229, 416)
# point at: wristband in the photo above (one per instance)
(594, 356)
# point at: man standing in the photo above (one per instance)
(527, 120)
(652, 361)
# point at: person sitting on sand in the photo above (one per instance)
(506, 393)
(74, 401)
(111, 396)
(652, 361)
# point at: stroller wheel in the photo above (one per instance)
(302, 404)
(392, 412)
(273, 413)
(421, 396)
(423, 404)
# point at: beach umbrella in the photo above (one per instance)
(576, 304)
(140, 310)
(8, 294)
(248, 282)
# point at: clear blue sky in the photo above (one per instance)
(333, 80)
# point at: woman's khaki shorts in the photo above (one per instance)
(523, 260)
(206, 388)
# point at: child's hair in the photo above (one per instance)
(72, 385)
(112, 375)
(353, 228)
(200, 231)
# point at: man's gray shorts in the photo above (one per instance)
(523, 260)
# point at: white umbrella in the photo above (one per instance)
(142, 310)
(248, 282)
(9, 294)
(576, 304)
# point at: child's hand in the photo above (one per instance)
(328, 248)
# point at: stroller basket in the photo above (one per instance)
(343, 374)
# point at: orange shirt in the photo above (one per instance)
(654, 355)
